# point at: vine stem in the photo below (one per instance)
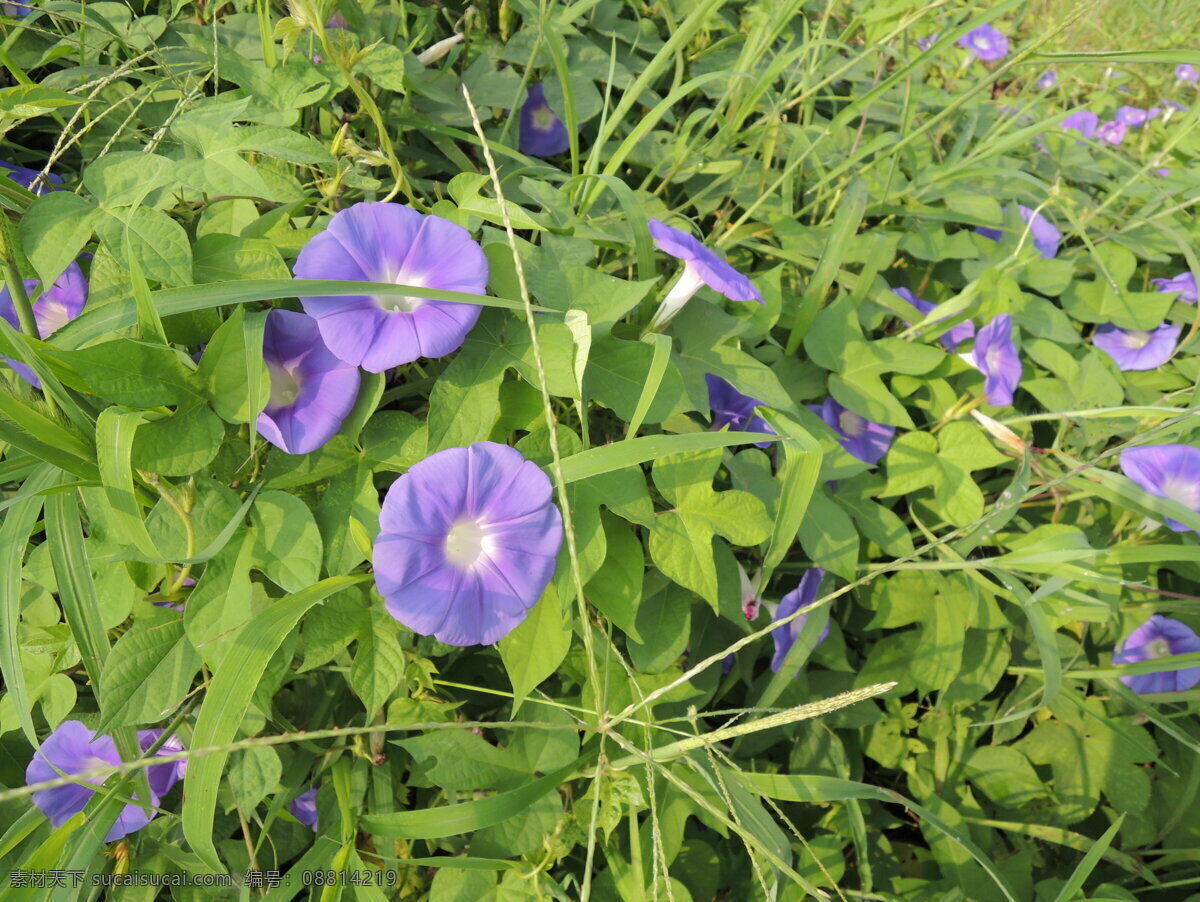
(12, 277)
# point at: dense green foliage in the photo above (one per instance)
(961, 734)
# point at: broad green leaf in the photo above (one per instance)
(148, 672)
(132, 373)
(288, 546)
(464, 817)
(379, 661)
(681, 541)
(535, 649)
(54, 230)
(232, 373)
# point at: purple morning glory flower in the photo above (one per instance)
(964, 331)
(1112, 131)
(701, 266)
(733, 409)
(1134, 117)
(1186, 72)
(304, 808)
(468, 541)
(1046, 236)
(1135, 349)
(16, 10)
(337, 20)
(53, 310)
(986, 42)
(799, 598)
(542, 132)
(312, 391)
(1169, 471)
(995, 355)
(74, 749)
(926, 42)
(1048, 80)
(30, 178)
(1082, 121)
(1159, 637)
(163, 776)
(861, 438)
(1184, 283)
(387, 242)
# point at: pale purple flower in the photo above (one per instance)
(542, 132)
(733, 409)
(1112, 131)
(1137, 349)
(799, 598)
(1186, 72)
(163, 776)
(1046, 236)
(1184, 283)
(1163, 172)
(312, 391)
(304, 808)
(53, 310)
(468, 541)
(1171, 106)
(862, 438)
(1169, 471)
(701, 266)
(995, 355)
(1048, 80)
(926, 42)
(74, 749)
(16, 10)
(964, 331)
(1159, 637)
(987, 43)
(387, 242)
(31, 178)
(1135, 117)
(751, 600)
(337, 20)
(1082, 121)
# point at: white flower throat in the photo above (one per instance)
(466, 543)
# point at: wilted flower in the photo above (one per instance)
(542, 132)
(1186, 72)
(387, 242)
(467, 543)
(312, 391)
(926, 42)
(1169, 471)
(798, 599)
(1082, 121)
(53, 310)
(861, 438)
(986, 42)
(1112, 131)
(733, 409)
(1134, 117)
(1046, 236)
(1159, 637)
(337, 20)
(31, 178)
(1137, 349)
(751, 600)
(304, 808)
(1184, 283)
(74, 749)
(964, 331)
(995, 355)
(1048, 80)
(701, 266)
